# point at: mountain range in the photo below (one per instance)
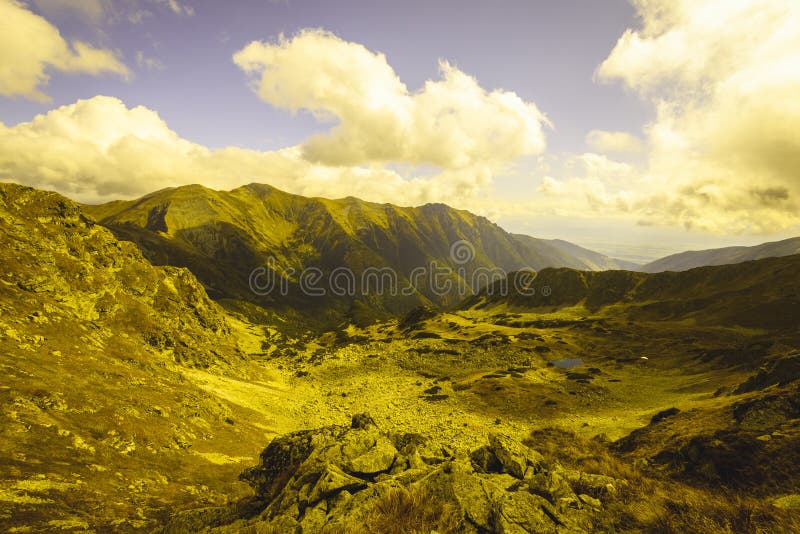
(722, 256)
(222, 236)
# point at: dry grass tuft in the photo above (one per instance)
(413, 511)
(652, 502)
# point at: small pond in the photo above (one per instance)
(567, 363)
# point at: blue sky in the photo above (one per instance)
(637, 129)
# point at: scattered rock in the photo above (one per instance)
(427, 335)
(378, 459)
(579, 376)
(515, 457)
(362, 420)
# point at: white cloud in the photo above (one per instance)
(30, 46)
(99, 150)
(587, 185)
(445, 142)
(452, 122)
(724, 76)
(620, 142)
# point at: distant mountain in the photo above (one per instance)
(565, 254)
(222, 236)
(722, 256)
(756, 294)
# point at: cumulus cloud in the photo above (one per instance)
(451, 122)
(30, 46)
(99, 149)
(620, 142)
(444, 142)
(724, 76)
(587, 185)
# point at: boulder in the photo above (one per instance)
(332, 481)
(515, 457)
(378, 459)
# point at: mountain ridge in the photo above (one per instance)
(689, 259)
(755, 294)
(223, 235)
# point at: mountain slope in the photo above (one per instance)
(99, 425)
(754, 294)
(223, 236)
(722, 256)
(560, 253)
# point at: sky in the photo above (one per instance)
(637, 129)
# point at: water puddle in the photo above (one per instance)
(567, 363)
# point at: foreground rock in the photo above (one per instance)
(358, 478)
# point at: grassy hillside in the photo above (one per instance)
(753, 294)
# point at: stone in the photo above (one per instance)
(514, 456)
(597, 484)
(523, 512)
(485, 460)
(335, 476)
(362, 421)
(332, 481)
(377, 459)
(315, 518)
(590, 501)
(551, 485)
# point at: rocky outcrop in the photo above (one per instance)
(779, 372)
(57, 263)
(345, 479)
